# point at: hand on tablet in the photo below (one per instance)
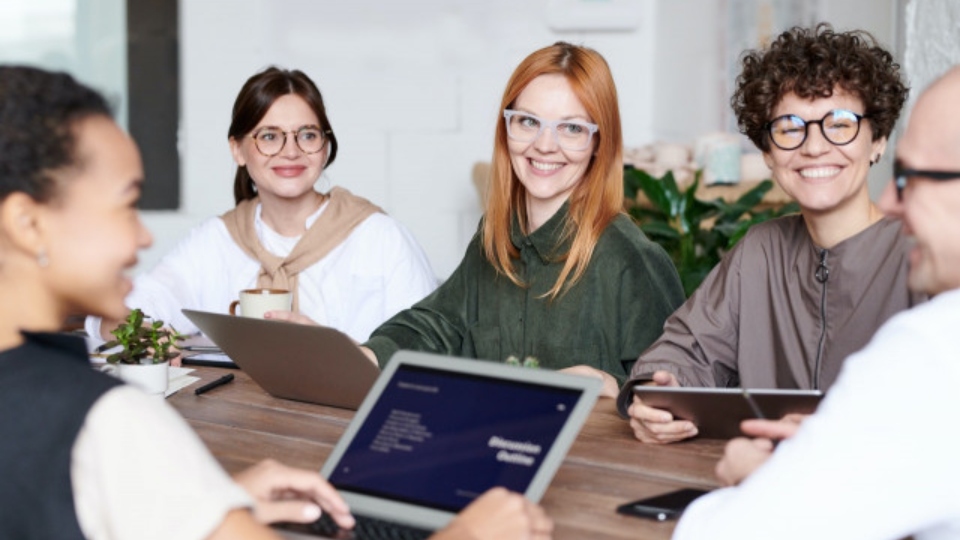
(656, 425)
(742, 456)
(773, 429)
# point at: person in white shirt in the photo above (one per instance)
(81, 454)
(349, 265)
(879, 457)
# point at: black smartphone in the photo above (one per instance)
(661, 507)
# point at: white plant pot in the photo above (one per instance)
(151, 378)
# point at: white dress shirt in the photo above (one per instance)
(879, 460)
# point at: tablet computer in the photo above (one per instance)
(717, 412)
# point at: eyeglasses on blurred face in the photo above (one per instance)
(839, 127)
(902, 174)
(270, 140)
(572, 135)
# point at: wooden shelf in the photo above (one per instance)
(728, 192)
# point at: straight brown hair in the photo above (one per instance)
(255, 99)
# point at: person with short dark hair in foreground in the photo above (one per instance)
(879, 457)
(81, 454)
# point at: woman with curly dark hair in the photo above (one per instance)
(798, 294)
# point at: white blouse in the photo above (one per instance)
(377, 271)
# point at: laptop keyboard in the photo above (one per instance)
(368, 528)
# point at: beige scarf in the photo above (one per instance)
(344, 212)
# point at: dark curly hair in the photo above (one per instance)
(812, 63)
(255, 99)
(38, 113)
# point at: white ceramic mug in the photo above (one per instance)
(151, 378)
(255, 302)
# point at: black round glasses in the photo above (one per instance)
(839, 127)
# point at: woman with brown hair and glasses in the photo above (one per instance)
(557, 271)
(349, 265)
(799, 294)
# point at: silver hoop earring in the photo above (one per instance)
(42, 258)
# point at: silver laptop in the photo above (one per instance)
(436, 432)
(315, 364)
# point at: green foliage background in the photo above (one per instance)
(694, 232)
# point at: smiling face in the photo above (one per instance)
(92, 229)
(930, 209)
(290, 174)
(820, 176)
(548, 173)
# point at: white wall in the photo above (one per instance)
(412, 90)
(691, 93)
(931, 28)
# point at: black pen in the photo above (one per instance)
(201, 348)
(211, 385)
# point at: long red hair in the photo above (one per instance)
(598, 197)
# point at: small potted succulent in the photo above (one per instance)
(147, 348)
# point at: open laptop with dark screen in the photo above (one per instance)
(436, 432)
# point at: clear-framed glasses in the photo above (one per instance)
(572, 135)
(839, 126)
(270, 140)
(901, 174)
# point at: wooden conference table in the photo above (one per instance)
(241, 424)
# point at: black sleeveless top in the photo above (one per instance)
(47, 387)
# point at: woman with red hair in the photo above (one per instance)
(556, 271)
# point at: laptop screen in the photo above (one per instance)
(440, 439)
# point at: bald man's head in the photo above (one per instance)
(930, 206)
(935, 119)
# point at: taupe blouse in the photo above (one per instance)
(781, 312)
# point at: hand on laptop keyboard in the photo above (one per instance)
(499, 514)
(368, 528)
(306, 492)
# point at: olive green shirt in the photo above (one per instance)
(613, 312)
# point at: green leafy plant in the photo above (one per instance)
(696, 233)
(149, 343)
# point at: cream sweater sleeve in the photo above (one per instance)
(140, 472)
